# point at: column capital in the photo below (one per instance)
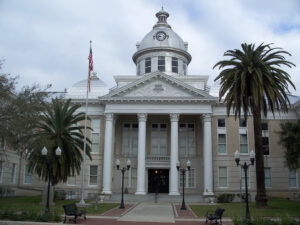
(174, 117)
(142, 117)
(109, 116)
(206, 117)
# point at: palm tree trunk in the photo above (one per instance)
(261, 197)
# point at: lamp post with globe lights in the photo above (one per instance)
(123, 172)
(49, 165)
(245, 166)
(183, 170)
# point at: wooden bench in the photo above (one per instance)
(216, 215)
(72, 210)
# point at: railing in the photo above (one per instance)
(158, 158)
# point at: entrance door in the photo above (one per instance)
(158, 181)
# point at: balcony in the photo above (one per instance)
(157, 161)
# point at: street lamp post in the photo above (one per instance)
(123, 172)
(49, 165)
(245, 166)
(183, 170)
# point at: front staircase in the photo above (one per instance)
(160, 198)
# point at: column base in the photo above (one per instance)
(108, 192)
(174, 193)
(140, 193)
(209, 197)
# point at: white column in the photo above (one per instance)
(109, 117)
(141, 185)
(207, 156)
(173, 188)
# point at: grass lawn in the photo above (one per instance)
(33, 204)
(275, 208)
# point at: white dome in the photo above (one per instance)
(78, 90)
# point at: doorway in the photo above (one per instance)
(158, 181)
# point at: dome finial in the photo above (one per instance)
(162, 17)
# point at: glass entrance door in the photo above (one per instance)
(158, 181)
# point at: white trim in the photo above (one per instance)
(166, 132)
(221, 153)
(131, 136)
(96, 132)
(194, 134)
(270, 177)
(244, 153)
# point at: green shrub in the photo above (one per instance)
(225, 198)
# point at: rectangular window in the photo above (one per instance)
(174, 65)
(223, 176)
(243, 178)
(189, 179)
(293, 179)
(161, 63)
(13, 173)
(222, 143)
(268, 181)
(1, 171)
(242, 122)
(184, 69)
(264, 126)
(93, 175)
(95, 135)
(71, 181)
(159, 139)
(148, 65)
(221, 123)
(27, 175)
(265, 145)
(243, 143)
(187, 140)
(130, 139)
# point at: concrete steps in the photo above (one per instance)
(161, 198)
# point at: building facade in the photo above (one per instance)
(162, 116)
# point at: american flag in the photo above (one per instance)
(90, 66)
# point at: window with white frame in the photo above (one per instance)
(130, 139)
(222, 176)
(95, 135)
(71, 180)
(221, 123)
(93, 175)
(243, 143)
(174, 65)
(186, 139)
(159, 139)
(161, 65)
(243, 178)
(222, 143)
(293, 179)
(190, 178)
(1, 171)
(268, 179)
(148, 65)
(13, 173)
(27, 175)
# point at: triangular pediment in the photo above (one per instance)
(157, 85)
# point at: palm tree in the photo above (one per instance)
(58, 127)
(252, 80)
(290, 139)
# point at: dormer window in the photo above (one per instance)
(161, 63)
(148, 65)
(174, 65)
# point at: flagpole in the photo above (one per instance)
(84, 144)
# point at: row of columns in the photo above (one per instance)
(173, 178)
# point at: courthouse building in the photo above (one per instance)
(163, 115)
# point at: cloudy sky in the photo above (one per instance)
(47, 42)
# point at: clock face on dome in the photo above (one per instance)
(160, 35)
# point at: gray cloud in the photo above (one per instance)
(48, 41)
